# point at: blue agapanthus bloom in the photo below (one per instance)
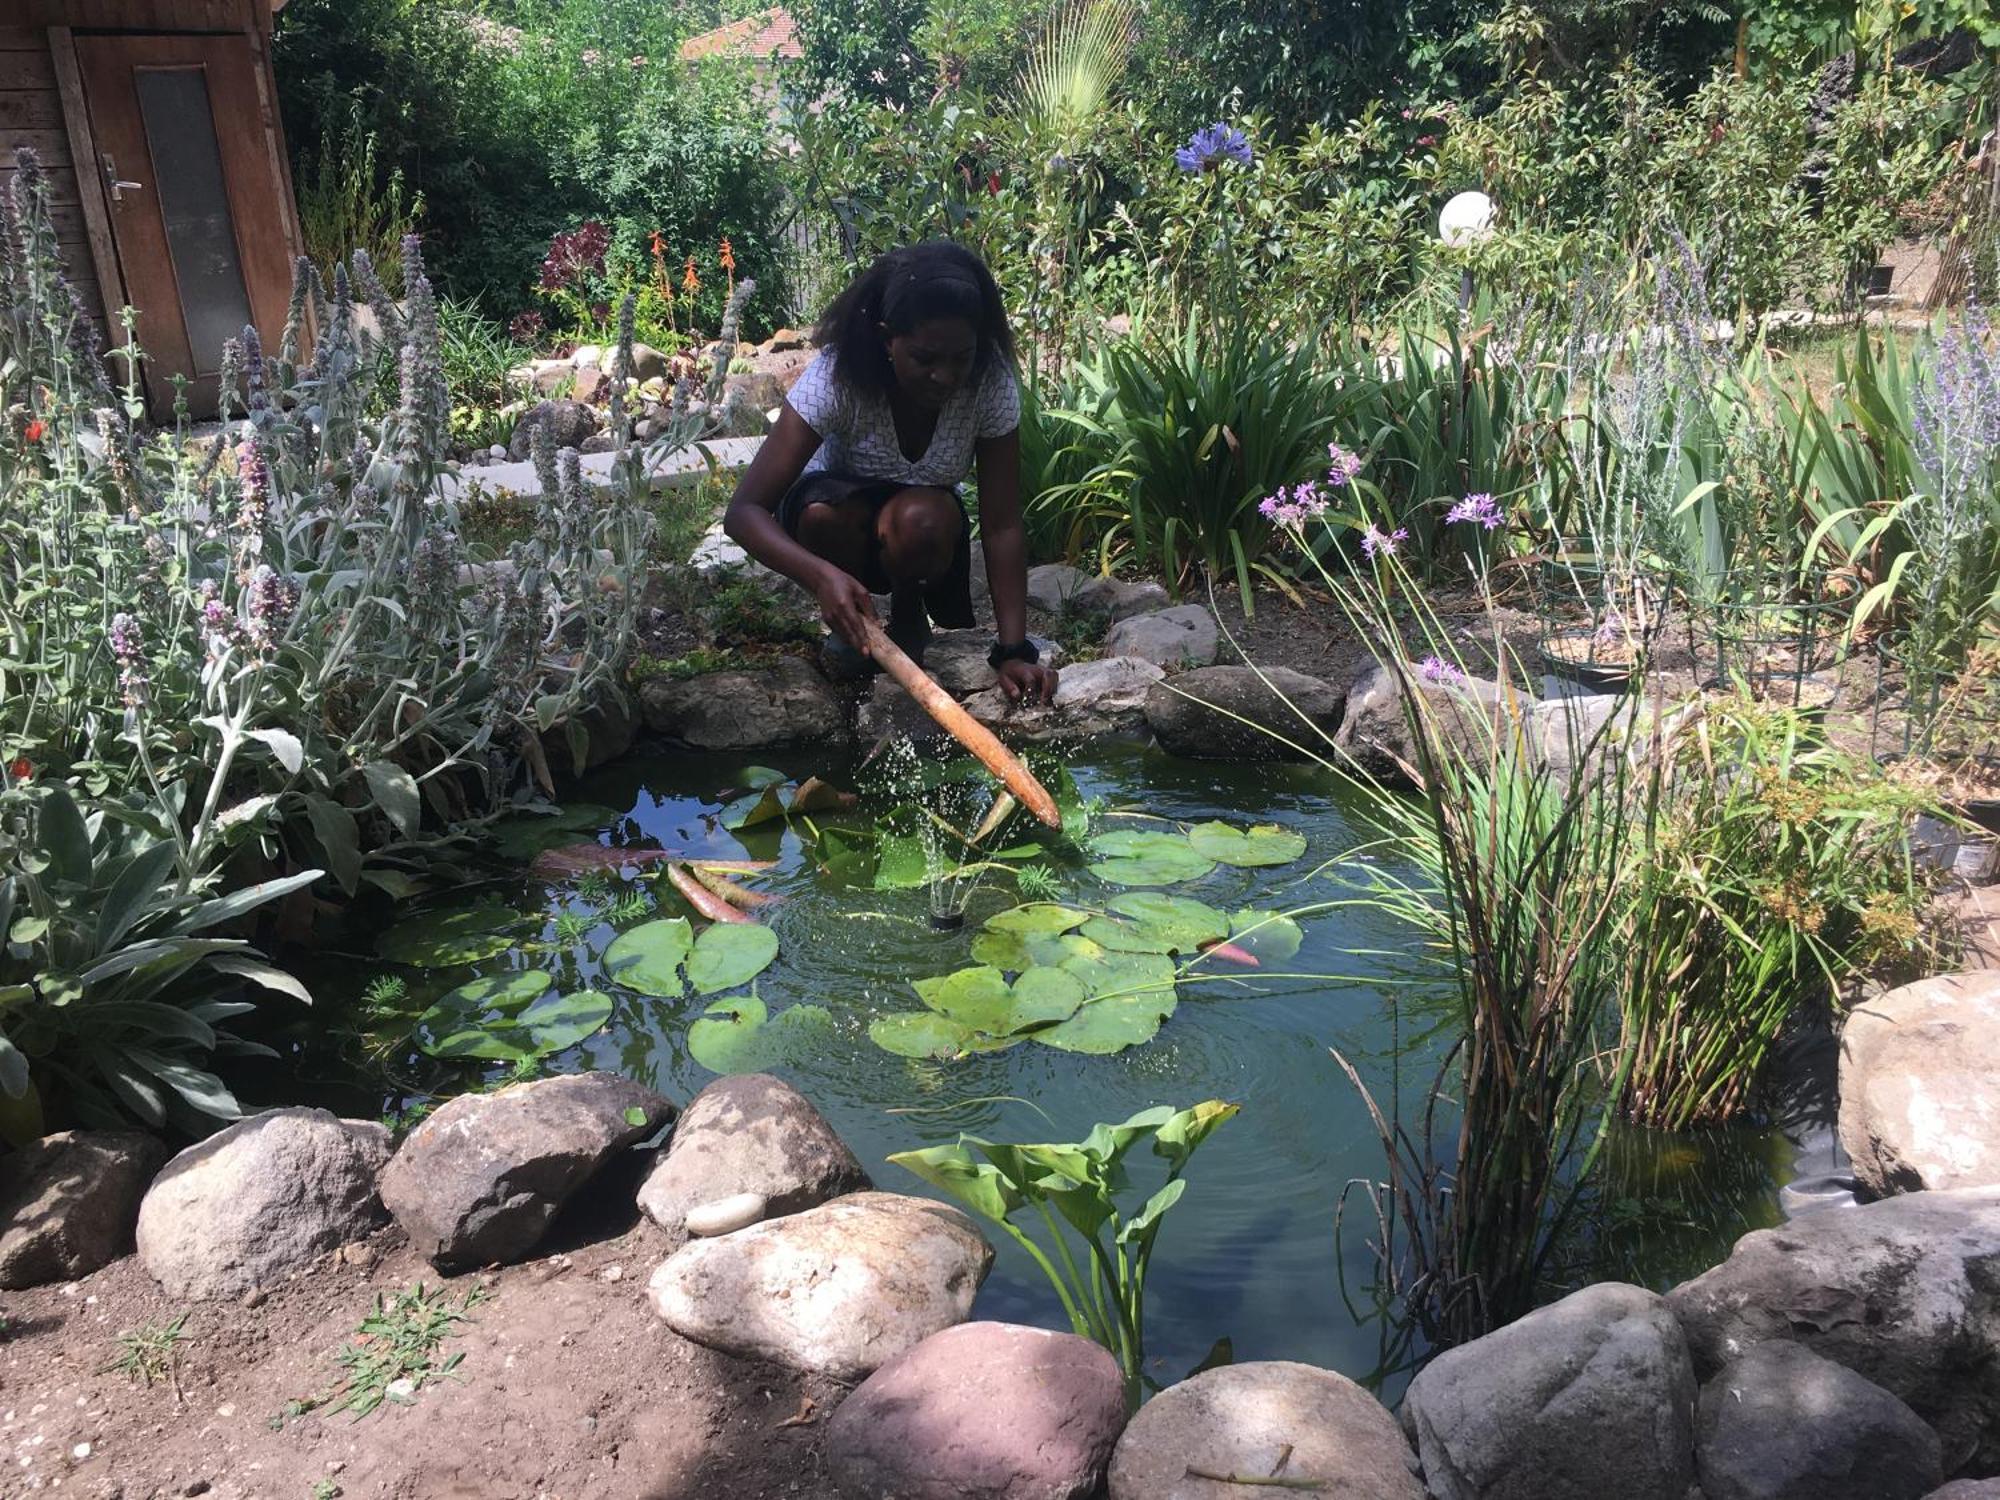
(1209, 147)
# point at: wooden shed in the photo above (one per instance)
(158, 123)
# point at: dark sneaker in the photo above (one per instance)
(844, 663)
(914, 636)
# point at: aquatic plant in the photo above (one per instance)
(1074, 1189)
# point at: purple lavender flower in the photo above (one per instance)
(272, 599)
(1375, 543)
(1293, 507)
(128, 649)
(1344, 465)
(1436, 669)
(255, 477)
(1479, 507)
(1209, 147)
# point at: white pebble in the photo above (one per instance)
(81, 1450)
(613, 1273)
(726, 1215)
(401, 1390)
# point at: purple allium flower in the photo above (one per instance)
(1344, 465)
(1375, 543)
(128, 649)
(1436, 669)
(1293, 507)
(1479, 507)
(1212, 145)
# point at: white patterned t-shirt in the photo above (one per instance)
(858, 432)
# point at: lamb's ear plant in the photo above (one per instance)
(1095, 1251)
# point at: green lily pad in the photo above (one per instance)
(728, 954)
(649, 957)
(982, 1000)
(509, 1017)
(1106, 1026)
(901, 863)
(1129, 858)
(1036, 917)
(739, 1035)
(1269, 936)
(1117, 974)
(527, 834)
(919, 1034)
(1265, 844)
(1148, 922)
(1015, 951)
(766, 807)
(447, 939)
(756, 778)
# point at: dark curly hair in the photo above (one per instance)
(906, 287)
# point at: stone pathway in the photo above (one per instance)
(683, 468)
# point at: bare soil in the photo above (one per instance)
(570, 1389)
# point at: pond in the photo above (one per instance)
(1252, 1253)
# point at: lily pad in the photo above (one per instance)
(756, 778)
(1265, 844)
(982, 1000)
(649, 957)
(1015, 951)
(1106, 1026)
(919, 1034)
(447, 939)
(1269, 936)
(1129, 858)
(728, 954)
(509, 1017)
(1155, 923)
(526, 834)
(1117, 974)
(766, 807)
(901, 862)
(739, 1035)
(1036, 917)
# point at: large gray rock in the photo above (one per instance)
(1118, 599)
(1918, 1105)
(1244, 713)
(837, 1290)
(1267, 1420)
(983, 1411)
(260, 1201)
(957, 659)
(1053, 585)
(1093, 698)
(1589, 1397)
(1903, 1291)
(568, 424)
(786, 703)
(68, 1203)
(1780, 1423)
(479, 1181)
(748, 1134)
(1184, 636)
(1968, 1489)
(1466, 715)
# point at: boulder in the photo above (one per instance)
(785, 703)
(261, 1200)
(1053, 585)
(1780, 1423)
(1968, 1489)
(785, 340)
(1184, 636)
(606, 729)
(648, 363)
(1202, 714)
(1588, 1397)
(1917, 1067)
(983, 1411)
(1375, 731)
(599, 442)
(588, 356)
(550, 377)
(1107, 696)
(479, 1181)
(593, 388)
(957, 659)
(751, 1133)
(68, 1203)
(1119, 599)
(1902, 1292)
(1267, 1420)
(747, 401)
(568, 424)
(837, 1290)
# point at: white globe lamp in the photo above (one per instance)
(1467, 217)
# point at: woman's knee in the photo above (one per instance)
(920, 528)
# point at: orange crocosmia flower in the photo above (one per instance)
(34, 431)
(728, 256)
(691, 281)
(659, 244)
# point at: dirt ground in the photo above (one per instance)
(570, 1389)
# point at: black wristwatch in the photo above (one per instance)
(1020, 651)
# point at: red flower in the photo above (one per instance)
(21, 769)
(993, 182)
(34, 430)
(1427, 140)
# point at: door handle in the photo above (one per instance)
(112, 181)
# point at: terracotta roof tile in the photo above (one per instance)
(767, 35)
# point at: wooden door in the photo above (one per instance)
(198, 203)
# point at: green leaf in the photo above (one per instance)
(339, 839)
(1177, 1138)
(976, 1184)
(448, 938)
(757, 778)
(1014, 952)
(982, 1000)
(728, 954)
(508, 1017)
(1265, 844)
(1122, 974)
(767, 807)
(1102, 1027)
(13, 1070)
(395, 792)
(901, 863)
(739, 1035)
(1271, 937)
(1141, 1227)
(28, 930)
(1147, 859)
(1157, 924)
(228, 908)
(635, 1117)
(64, 836)
(260, 973)
(202, 1090)
(137, 885)
(284, 745)
(528, 834)
(919, 1034)
(649, 957)
(1036, 918)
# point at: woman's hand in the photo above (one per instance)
(1027, 682)
(846, 606)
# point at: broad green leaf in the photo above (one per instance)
(919, 1033)
(528, 834)
(1127, 858)
(1106, 1026)
(1269, 936)
(901, 863)
(978, 1185)
(136, 886)
(1122, 974)
(649, 957)
(982, 1000)
(1141, 1227)
(28, 930)
(513, 1030)
(202, 1090)
(728, 954)
(13, 1070)
(283, 744)
(748, 812)
(451, 937)
(1015, 951)
(260, 973)
(756, 778)
(1036, 918)
(1178, 1137)
(1265, 844)
(339, 839)
(64, 836)
(475, 1018)
(395, 792)
(228, 908)
(739, 1035)
(1148, 922)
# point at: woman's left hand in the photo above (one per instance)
(1027, 682)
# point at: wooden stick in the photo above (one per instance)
(734, 866)
(736, 895)
(702, 899)
(962, 727)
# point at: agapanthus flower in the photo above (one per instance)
(1343, 466)
(1480, 507)
(1294, 506)
(1209, 147)
(1376, 543)
(1436, 669)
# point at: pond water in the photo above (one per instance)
(1252, 1253)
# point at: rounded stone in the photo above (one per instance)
(1272, 1420)
(1244, 713)
(726, 1215)
(1917, 1107)
(983, 1411)
(68, 1203)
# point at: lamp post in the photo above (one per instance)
(1465, 220)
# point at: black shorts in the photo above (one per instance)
(948, 600)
